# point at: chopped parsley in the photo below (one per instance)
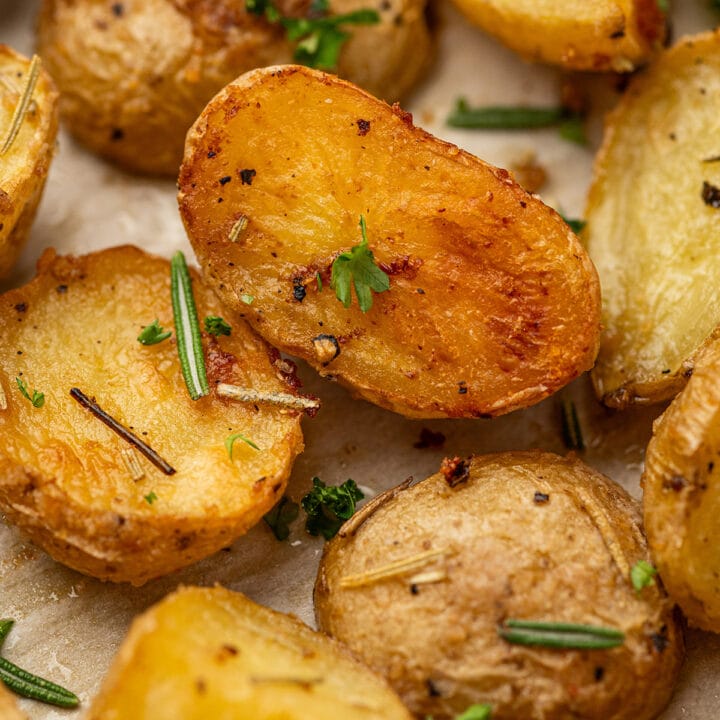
(642, 574)
(318, 36)
(575, 225)
(150, 498)
(282, 516)
(357, 268)
(216, 326)
(328, 507)
(153, 334)
(37, 399)
(230, 441)
(476, 712)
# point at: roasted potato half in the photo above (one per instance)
(421, 583)
(493, 304)
(652, 225)
(682, 494)
(66, 478)
(8, 707)
(28, 126)
(135, 74)
(613, 35)
(210, 653)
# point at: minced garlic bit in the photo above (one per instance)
(238, 228)
(393, 569)
(132, 464)
(23, 103)
(249, 395)
(3, 399)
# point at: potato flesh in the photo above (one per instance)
(76, 326)
(432, 630)
(493, 304)
(682, 495)
(130, 92)
(651, 236)
(8, 707)
(24, 166)
(600, 35)
(211, 653)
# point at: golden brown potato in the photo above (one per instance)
(63, 475)
(682, 494)
(614, 35)
(8, 707)
(134, 75)
(493, 304)
(213, 654)
(420, 582)
(24, 160)
(652, 218)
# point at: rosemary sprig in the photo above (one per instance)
(21, 108)
(28, 685)
(504, 118)
(560, 635)
(187, 328)
(122, 431)
(571, 429)
(248, 395)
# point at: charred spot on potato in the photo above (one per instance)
(710, 194)
(599, 673)
(540, 498)
(61, 289)
(247, 175)
(326, 348)
(414, 589)
(660, 639)
(363, 127)
(21, 307)
(225, 180)
(118, 10)
(432, 689)
(675, 482)
(299, 291)
(429, 439)
(117, 134)
(462, 387)
(455, 471)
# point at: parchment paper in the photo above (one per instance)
(69, 626)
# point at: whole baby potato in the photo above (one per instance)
(681, 498)
(421, 583)
(135, 74)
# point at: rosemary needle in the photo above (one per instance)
(187, 328)
(560, 635)
(23, 104)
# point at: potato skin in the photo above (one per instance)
(506, 555)
(8, 707)
(133, 81)
(62, 476)
(493, 303)
(24, 167)
(206, 653)
(602, 35)
(681, 500)
(651, 235)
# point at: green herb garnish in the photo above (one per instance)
(357, 268)
(572, 129)
(153, 334)
(328, 507)
(476, 712)
(571, 430)
(32, 686)
(150, 498)
(560, 635)
(642, 574)
(575, 225)
(230, 441)
(216, 325)
(319, 37)
(37, 399)
(187, 328)
(281, 517)
(318, 279)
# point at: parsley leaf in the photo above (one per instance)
(318, 36)
(216, 325)
(357, 268)
(153, 334)
(476, 712)
(642, 574)
(150, 498)
(230, 441)
(37, 399)
(328, 507)
(575, 225)
(281, 516)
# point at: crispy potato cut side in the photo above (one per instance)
(682, 494)
(652, 225)
(66, 478)
(211, 653)
(616, 35)
(8, 707)
(493, 304)
(25, 162)
(134, 76)
(419, 583)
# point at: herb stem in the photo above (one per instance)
(122, 431)
(249, 395)
(21, 108)
(187, 328)
(560, 635)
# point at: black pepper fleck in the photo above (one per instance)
(599, 673)
(21, 307)
(247, 175)
(363, 127)
(462, 387)
(61, 289)
(710, 195)
(211, 154)
(225, 180)
(419, 291)
(414, 590)
(431, 688)
(541, 498)
(117, 134)
(117, 9)
(299, 291)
